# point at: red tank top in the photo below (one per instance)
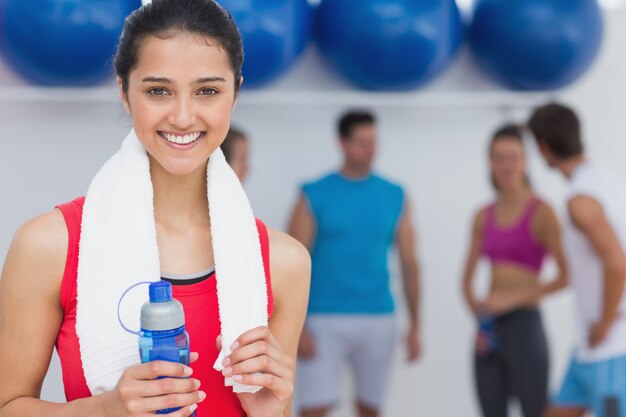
(202, 321)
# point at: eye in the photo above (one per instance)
(158, 91)
(207, 91)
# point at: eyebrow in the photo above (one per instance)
(198, 81)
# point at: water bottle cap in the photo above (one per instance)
(160, 292)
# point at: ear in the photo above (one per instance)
(343, 143)
(123, 95)
(543, 148)
(237, 94)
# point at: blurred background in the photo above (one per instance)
(440, 77)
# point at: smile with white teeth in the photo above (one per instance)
(181, 139)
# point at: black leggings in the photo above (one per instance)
(518, 368)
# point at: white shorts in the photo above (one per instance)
(365, 342)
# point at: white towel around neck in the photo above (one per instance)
(118, 248)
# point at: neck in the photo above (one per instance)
(514, 195)
(179, 200)
(567, 166)
(354, 172)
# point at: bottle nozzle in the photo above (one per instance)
(160, 292)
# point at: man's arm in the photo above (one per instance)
(302, 228)
(589, 217)
(302, 224)
(405, 239)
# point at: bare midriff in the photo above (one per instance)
(509, 279)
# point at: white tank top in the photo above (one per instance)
(585, 268)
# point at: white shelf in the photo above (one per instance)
(311, 83)
(433, 98)
(30, 94)
(502, 99)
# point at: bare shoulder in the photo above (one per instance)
(585, 211)
(583, 203)
(45, 235)
(480, 219)
(290, 261)
(544, 212)
(286, 252)
(36, 258)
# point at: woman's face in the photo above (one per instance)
(180, 98)
(508, 163)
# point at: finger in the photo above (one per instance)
(251, 351)
(155, 369)
(256, 334)
(165, 386)
(417, 352)
(304, 354)
(164, 402)
(310, 347)
(218, 342)
(309, 352)
(281, 388)
(183, 412)
(193, 356)
(263, 364)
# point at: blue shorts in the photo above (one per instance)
(598, 386)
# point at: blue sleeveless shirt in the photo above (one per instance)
(356, 223)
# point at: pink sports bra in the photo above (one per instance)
(513, 244)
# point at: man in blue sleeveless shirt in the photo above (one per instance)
(349, 220)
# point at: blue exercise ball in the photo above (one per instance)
(62, 42)
(274, 32)
(389, 44)
(536, 44)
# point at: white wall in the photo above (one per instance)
(50, 149)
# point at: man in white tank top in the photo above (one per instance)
(594, 239)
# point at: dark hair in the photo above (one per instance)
(557, 127)
(161, 17)
(228, 144)
(507, 132)
(350, 119)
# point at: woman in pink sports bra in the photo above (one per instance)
(514, 233)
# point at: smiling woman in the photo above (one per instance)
(179, 72)
(180, 95)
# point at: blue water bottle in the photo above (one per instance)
(163, 336)
(488, 336)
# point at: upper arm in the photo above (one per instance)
(405, 235)
(548, 232)
(30, 312)
(291, 273)
(476, 239)
(588, 216)
(302, 223)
